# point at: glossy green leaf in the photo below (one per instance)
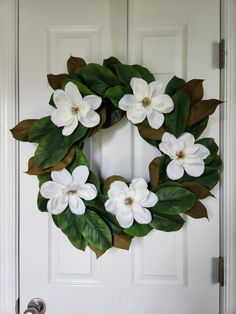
(99, 78)
(79, 160)
(210, 144)
(137, 230)
(167, 223)
(72, 225)
(42, 203)
(144, 72)
(176, 120)
(41, 128)
(114, 94)
(96, 231)
(110, 63)
(125, 73)
(173, 200)
(54, 146)
(174, 85)
(114, 115)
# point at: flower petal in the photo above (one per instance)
(202, 151)
(194, 169)
(76, 204)
(127, 101)
(61, 117)
(188, 139)
(111, 206)
(155, 119)
(156, 88)
(140, 88)
(93, 101)
(163, 103)
(141, 215)
(87, 191)
(150, 200)
(92, 119)
(125, 217)
(69, 129)
(61, 99)
(138, 183)
(118, 185)
(175, 170)
(63, 177)
(136, 113)
(169, 145)
(50, 189)
(73, 92)
(57, 205)
(84, 109)
(80, 174)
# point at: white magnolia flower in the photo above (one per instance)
(72, 109)
(128, 203)
(148, 101)
(67, 189)
(185, 155)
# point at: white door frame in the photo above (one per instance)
(9, 237)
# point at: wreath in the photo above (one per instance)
(101, 214)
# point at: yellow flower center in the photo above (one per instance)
(129, 201)
(146, 101)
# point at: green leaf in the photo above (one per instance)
(209, 178)
(125, 73)
(176, 121)
(198, 128)
(80, 160)
(174, 85)
(173, 200)
(41, 128)
(54, 146)
(114, 115)
(96, 231)
(84, 90)
(99, 78)
(42, 203)
(164, 161)
(209, 143)
(167, 223)
(110, 62)
(144, 72)
(72, 226)
(94, 180)
(137, 230)
(114, 94)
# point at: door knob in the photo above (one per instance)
(36, 306)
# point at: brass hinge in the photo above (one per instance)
(17, 306)
(222, 54)
(221, 272)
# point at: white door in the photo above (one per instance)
(163, 273)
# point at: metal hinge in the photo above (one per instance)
(222, 54)
(17, 306)
(221, 272)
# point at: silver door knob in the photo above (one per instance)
(36, 306)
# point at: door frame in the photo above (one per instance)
(9, 157)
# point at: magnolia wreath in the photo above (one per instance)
(110, 212)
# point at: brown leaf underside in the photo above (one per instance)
(74, 63)
(55, 80)
(21, 130)
(122, 241)
(109, 180)
(35, 170)
(154, 168)
(200, 191)
(103, 114)
(198, 211)
(147, 131)
(194, 89)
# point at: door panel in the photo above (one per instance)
(164, 273)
